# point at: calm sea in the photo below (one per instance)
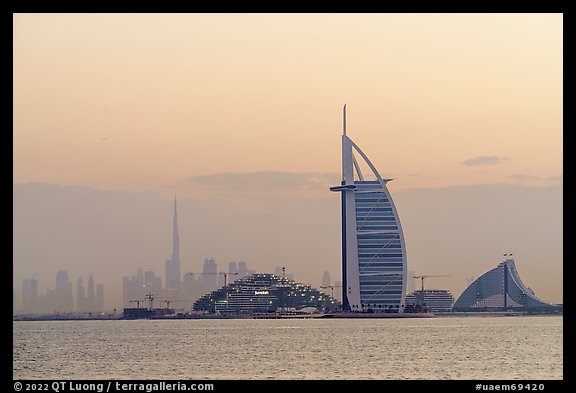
(438, 348)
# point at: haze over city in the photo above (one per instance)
(240, 116)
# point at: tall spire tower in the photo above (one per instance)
(176, 238)
(173, 264)
(373, 249)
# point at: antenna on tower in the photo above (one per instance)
(344, 119)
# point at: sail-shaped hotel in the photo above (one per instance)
(373, 249)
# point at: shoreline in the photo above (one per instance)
(281, 316)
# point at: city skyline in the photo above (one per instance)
(138, 289)
(238, 115)
(60, 299)
(201, 283)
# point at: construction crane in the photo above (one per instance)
(150, 297)
(426, 276)
(137, 302)
(168, 301)
(422, 277)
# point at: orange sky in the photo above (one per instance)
(145, 101)
(191, 103)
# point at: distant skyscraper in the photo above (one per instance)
(80, 295)
(90, 297)
(99, 306)
(133, 288)
(152, 283)
(242, 269)
(232, 268)
(173, 264)
(278, 271)
(211, 278)
(373, 250)
(189, 290)
(63, 300)
(30, 301)
(326, 279)
(338, 290)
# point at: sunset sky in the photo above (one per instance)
(239, 107)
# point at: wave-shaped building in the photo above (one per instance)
(373, 249)
(498, 289)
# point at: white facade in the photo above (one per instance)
(373, 249)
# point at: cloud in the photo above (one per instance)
(556, 180)
(485, 160)
(522, 177)
(266, 180)
(537, 180)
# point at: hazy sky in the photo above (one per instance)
(247, 107)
